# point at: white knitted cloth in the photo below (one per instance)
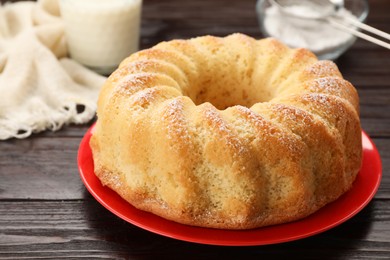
(39, 87)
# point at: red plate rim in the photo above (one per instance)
(333, 214)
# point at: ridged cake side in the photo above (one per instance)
(227, 132)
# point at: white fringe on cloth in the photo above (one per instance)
(40, 88)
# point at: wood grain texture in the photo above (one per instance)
(85, 228)
(46, 212)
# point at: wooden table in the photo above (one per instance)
(46, 212)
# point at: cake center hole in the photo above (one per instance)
(227, 93)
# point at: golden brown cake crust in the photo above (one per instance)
(230, 133)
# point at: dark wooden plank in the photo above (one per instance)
(86, 229)
(201, 11)
(366, 68)
(373, 104)
(376, 127)
(379, 12)
(166, 20)
(375, 97)
(383, 146)
(40, 168)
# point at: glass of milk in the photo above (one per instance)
(101, 33)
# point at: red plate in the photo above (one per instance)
(335, 213)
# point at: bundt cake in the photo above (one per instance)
(227, 132)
